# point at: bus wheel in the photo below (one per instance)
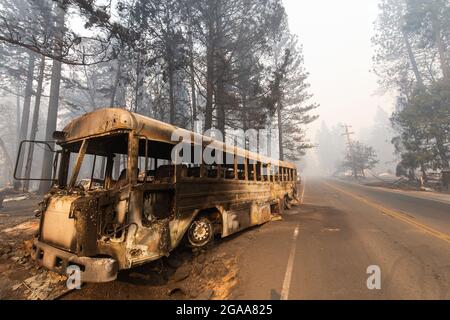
(201, 232)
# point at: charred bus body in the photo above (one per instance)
(137, 206)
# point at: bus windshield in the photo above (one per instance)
(95, 163)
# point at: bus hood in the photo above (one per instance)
(57, 225)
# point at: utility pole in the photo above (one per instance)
(348, 133)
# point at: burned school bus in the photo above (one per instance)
(135, 205)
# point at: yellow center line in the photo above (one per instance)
(396, 215)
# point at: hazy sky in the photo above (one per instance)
(336, 35)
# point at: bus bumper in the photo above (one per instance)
(91, 269)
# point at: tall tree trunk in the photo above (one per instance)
(121, 94)
(220, 94)
(209, 88)
(411, 174)
(443, 153)
(220, 73)
(413, 60)
(440, 44)
(172, 111)
(34, 124)
(210, 49)
(171, 75)
(269, 136)
(355, 171)
(244, 112)
(116, 82)
(26, 112)
(91, 88)
(280, 131)
(192, 79)
(424, 172)
(18, 113)
(9, 162)
(137, 89)
(245, 125)
(53, 104)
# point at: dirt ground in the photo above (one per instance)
(213, 273)
(203, 275)
(186, 274)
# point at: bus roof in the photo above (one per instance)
(110, 120)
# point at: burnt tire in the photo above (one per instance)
(200, 233)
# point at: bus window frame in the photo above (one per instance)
(254, 170)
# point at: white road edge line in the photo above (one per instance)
(303, 192)
(290, 266)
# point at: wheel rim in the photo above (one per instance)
(200, 233)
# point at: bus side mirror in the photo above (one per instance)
(26, 163)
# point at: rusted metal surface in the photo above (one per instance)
(106, 121)
(148, 215)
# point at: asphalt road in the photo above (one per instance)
(323, 248)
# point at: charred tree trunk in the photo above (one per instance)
(355, 172)
(220, 94)
(34, 124)
(412, 174)
(9, 162)
(192, 79)
(171, 76)
(280, 131)
(244, 112)
(440, 44)
(413, 61)
(137, 94)
(18, 113)
(116, 83)
(269, 136)
(26, 112)
(210, 50)
(443, 153)
(220, 72)
(424, 172)
(172, 113)
(53, 104)
(91, 88)
(209, 88)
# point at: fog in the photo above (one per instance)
(302, 69)
(336, 38)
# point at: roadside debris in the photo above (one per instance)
(20, 277)
(275, 218)
(185, 274)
